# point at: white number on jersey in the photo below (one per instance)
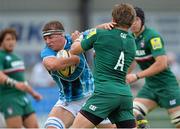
(120, 62)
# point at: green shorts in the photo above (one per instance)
(113, 106)
(166, 97)
(16, 106)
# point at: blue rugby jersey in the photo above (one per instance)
(77, 85)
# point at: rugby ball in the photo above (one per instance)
(68, 70)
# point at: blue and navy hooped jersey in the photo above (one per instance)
(77, 85)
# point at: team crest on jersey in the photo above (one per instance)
(156, 43)
(142, 44)
(172, 102)
(91, 32)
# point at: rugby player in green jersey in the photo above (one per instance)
(115, 51)
(14, 103)
(161, 87)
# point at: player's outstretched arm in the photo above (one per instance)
(29, 89)
(4, 79)
(108, 25)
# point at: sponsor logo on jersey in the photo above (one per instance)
(156, 43)
(140, 52)
(17, 64)
(172, 102)
(91, 33)
(92, 107)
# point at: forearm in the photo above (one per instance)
(29, 90)
(73, 60)
(152, 70)
(132, 67)
(54, 63)
(3, 77)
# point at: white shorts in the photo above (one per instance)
(75, 106)
(2, 121)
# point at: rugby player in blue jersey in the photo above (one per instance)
(73, 90)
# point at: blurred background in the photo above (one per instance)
(28, 17)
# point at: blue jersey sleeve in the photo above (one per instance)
(46, 52)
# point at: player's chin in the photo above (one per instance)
(10, 49)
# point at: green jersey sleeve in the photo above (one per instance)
(157, 46)
(88, 41)
(1, 62)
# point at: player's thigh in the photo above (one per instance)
(146, 97)
(174, 109)
(124, 111)
(149, 104)
(82, 122)
(30, 121)
(106, 123)
(14, 122)
(64, 115)
(100, 104)
(169, 97)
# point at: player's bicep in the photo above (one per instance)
(161, 61)
(88, 42)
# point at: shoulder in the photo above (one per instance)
(47, 52)
(151, 33)
(2, 55)
(68, 41)
(131, 36)
(91, 32)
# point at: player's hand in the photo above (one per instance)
(130, 78)
(37, 96)
(21, 86)
(33, 93)
(75, 35)
(26, 88)
(107, 26)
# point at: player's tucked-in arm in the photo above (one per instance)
(161, 61)
(52, 63)
(158, 52)
(85, 44)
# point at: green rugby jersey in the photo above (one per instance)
(13, 67)
(115, 51)
(150, 45)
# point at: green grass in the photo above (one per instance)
(159, 119)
